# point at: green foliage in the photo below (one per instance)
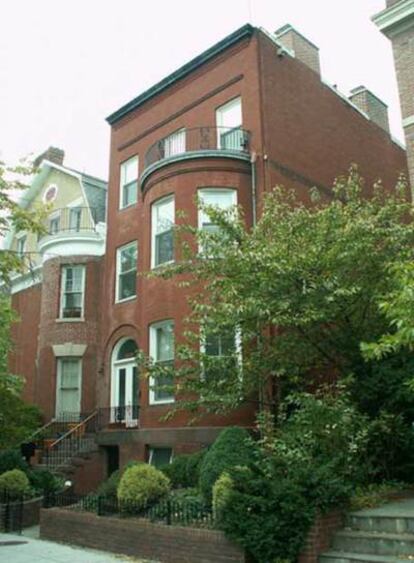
(12, 459)
(391, 448)
(15, 482)
(374, 494)
(310, 463)
(232, 447)
(184, 470)
(317, 272)
(142, 485)
(44, 481)
(109, 487)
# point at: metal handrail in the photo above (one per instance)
(208, 137)
(73, 430)
(75, 219)
(40, 430)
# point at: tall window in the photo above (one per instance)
(68, 388)
(54, 224)
(126, 271)
(229, 122)
(222, 351)
(174, 143)
(72, 292)
(162, 352)
(162, 239)
(129, 182)
(218, 197)
(75, 216)
(21, 245)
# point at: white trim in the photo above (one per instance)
(72, 244)
(154, 205)
(119, 251)
(77, 203)
(153, 354)
(64, 269)
(237, 101)
(129, 364)
(58, 384)
(69, 349)
(151, 453)
(407, 121)
(24, 281)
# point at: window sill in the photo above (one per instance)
(125, 300)
(128, 206)
(69, 320)
(163, 265)
(160, 403)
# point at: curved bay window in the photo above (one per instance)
(124, 383)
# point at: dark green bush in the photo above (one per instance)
(141, 485)
(109, 487)
(233, 447)
(184, 470)
(12, 459)
(43, 481)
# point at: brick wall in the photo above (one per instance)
(139, 538)
(320, 536)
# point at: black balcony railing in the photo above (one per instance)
(127, 416)
(73, 220)
(198, 139)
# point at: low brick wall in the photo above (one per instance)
(320, 535)
(21, 517)
(139, 538)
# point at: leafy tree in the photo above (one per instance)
(300, 289)
(17, 419)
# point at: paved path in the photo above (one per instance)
(25, 549)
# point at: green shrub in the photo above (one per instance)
(142, 485)
(233, 447)
(43, 481)
(109, 487)
(14, 482)
(391, 448)
(12, 459)
(184, 470)
(374, 495)
(221, 493)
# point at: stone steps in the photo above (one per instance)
(379, 535)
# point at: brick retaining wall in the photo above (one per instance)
(139, 538)
(320, 536)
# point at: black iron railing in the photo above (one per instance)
(170, 511)
(127, 416)
(198, 139)
(73, 220)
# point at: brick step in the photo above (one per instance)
(346, 557)
(374, 543)
(401, 524)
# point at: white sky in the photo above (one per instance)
(65, 65)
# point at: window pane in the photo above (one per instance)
(129, 184)
(126, 271)
(121, 387)
(128, 259)
(160, 456)
(69, 375)
(75, 219)
(127, 285)
(164, 215)
(230, 115)
(129, 193)
(164, 247)
(127, 350)
(164, 343)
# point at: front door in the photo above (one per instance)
(125, 394)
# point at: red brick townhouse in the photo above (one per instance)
(249, 113)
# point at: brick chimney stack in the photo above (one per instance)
(53, 154)
(375, 108)
(304, 50)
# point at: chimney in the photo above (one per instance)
(392, 2)
(303, 49)
(53, 154)
(375, 108)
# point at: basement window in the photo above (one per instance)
(160, 456)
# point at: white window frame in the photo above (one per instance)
(54, 217)
(60, 361)
(63, 274)
(119, 251)
(220, 112)
(154, 234)
(202, 215)
(123, 183)
(237, 345)
(153, 354)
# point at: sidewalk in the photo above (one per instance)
(26, 549)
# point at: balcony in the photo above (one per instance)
(198, 142)
(73, 231)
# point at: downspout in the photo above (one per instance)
(253, 158)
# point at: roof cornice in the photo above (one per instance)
(241, 33)
(396, 18)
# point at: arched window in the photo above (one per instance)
(124, 383)
(127, 350)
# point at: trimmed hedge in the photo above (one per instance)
(14, 482)
(184, 470)
(142, 484)
(232, 448)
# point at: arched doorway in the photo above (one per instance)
(124, 383)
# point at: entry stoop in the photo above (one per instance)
(379, 535)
